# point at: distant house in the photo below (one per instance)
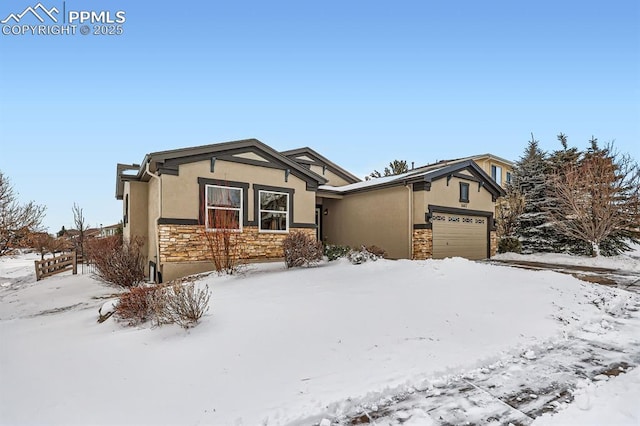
(499, 169)
(110, 230)
(439, 210)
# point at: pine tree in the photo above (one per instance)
(557, 162)
(396, 167)
(529, 179)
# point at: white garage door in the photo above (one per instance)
(459, 235)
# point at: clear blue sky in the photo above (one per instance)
(362, 82)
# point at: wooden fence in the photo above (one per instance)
(54, 265)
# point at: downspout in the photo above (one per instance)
(410, 217)
(157, 220)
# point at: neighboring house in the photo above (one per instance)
(499, 169)
(110, 230)
(436, 211)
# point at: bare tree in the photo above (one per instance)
(597, 198)
(81, 225)
(508, 209)
(17, 221)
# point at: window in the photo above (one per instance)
(274, 211)
(496, 174)
(125, 218)
(464, 192)
(508, 177)
(224, 207)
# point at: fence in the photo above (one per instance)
(54, 265)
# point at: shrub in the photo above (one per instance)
(334, 252)
(117, 262)
(509, 244)
(137, 305)
(184, 304)
(360, 256)
(375, 250)
(223, 241)
(301, 249)
(178, 303)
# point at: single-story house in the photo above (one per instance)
(169, 200)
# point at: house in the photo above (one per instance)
(170, 198)
(498, 168)
(110, 230)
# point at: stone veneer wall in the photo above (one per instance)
(494, 243)
(186, 243)
(422, 244)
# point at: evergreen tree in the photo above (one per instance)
(557, 162)
(529, 179)
(396, 167)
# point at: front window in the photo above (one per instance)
(224, 207)
(508, 177)
(496, 174)
(274, 211)
(464, 192)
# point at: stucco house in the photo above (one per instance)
(439, 210)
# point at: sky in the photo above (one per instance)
(361, 82)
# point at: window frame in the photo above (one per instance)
(494, 173)
(466, 187)
(286, 212)
(508, 178)
(240, 209)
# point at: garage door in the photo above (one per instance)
(459, 235)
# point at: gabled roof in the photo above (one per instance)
(248, 151)
(423, 174)
(306, 155)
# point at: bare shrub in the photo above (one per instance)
(118, 262)
(136, 306)
(377, 251)
(178, 303)
(184, 304)
(301, 249)
(43, 243)
(222, 241)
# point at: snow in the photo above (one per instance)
(280, 346)
(613, 402)
(379, 181)
(629, 261)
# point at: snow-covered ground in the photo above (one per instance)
(629, 261)
(291, 346)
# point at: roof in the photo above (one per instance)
(318, 158)
(422, 174)
(471, 157)
(168, 162)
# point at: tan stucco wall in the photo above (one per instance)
(181, 193)
(486, 163)
(333, 179)
(153, 213)
(138, 210)
(442, 194)
(371, 218)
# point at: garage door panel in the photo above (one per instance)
(459, 235)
